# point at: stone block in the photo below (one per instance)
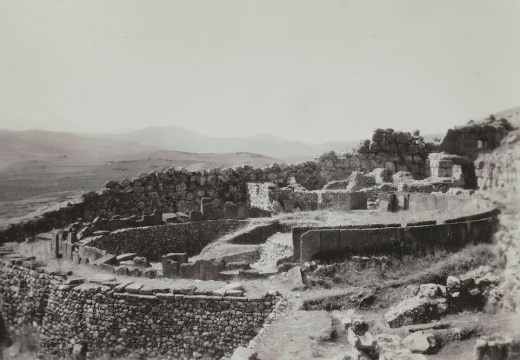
(72, 237)
(358, 200)
(230, 210)
(393, 203)
(126, 257)
(288, 205)
(149, 273)
(196, 215)
(170, 268)
(207, 270)
(329, 241)
(180, 258)
(55, 245)
(296, 280)
(76, 260)
(403, 200)
(242, 211)
(133, 288)
(107, 259)
(351, 240)
(141, 261)
(122, 270)
(218, 214)
(208, 211)
(309, 245)
(441, 172)
(190, 270)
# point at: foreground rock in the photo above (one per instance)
(416, 310)
(390, 348)
(421, 342)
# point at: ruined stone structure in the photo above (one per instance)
(418, 237)
(471, 139)
(121, 319)
(121, 231)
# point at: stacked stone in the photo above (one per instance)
(390, 141)
(124, 319)
(473, 138)
(24, 293)
(155, 241)
(497, 171)
(179, 190)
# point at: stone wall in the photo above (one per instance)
(413, 238)
(180, 190)
(474, 138)
(121, 319)
(154, 241)
(498, 171)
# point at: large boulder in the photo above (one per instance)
(421, 342)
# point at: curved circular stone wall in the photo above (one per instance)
(417, 237)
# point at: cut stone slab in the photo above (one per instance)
(296, 278)
(329, 241)
(309, 245)
(234, 286)
(207, 270)
(133, 288)
(248, 274)
(101, 278)
(230, 210)
(108, 259)
(189, 270)
(236, 293)
(196, 215)
(170, 268)
(180, 258)
(141, 261)
(125, 257)
(74, 281)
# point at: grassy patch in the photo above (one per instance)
(383, 284)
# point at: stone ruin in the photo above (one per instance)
(164, 225)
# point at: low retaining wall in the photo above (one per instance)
(154, 241)
(413, 238)
(121, 318)
(439, 201)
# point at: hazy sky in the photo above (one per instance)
(317, 70)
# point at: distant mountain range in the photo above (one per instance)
(172, 143)
(180, 139)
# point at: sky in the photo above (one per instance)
(310, 70)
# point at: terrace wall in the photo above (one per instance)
(114, 319)
(154, 241)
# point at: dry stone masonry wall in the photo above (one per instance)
(121, 318)
(474, 138)
(154, 241)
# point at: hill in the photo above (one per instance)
(180, 139)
